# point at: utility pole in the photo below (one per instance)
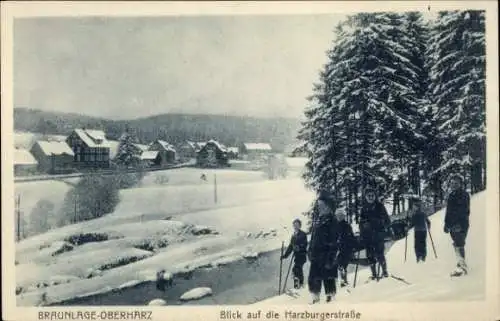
(18, 210)
(215, 188)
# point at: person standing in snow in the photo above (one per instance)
(374, 225)
(420, 223)
(456, 221)
(346, 242)
(322, 250)
(298, 245)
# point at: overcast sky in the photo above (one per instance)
(134, 67)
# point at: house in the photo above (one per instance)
(167, 152)
(233, 152)
(212, 154)
(53, 156)
(255, 150)
(90, 147)
(187, 150)
(24, 163)
(151, 158)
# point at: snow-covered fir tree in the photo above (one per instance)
(363, 119)
(457, 90)
(128, 153)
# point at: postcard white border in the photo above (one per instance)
(487, 310)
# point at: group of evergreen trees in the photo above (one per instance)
(400, 102)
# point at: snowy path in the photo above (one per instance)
(429, 281)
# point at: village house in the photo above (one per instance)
(187, 150)
(151, 158)
(212, 154)
(167, 153)
(53, 156)
(90, 147)
(233, 152)
(253, 151)
(24, 163)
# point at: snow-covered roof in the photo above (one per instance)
(24, 157)
(149, 155)
(166, 145)
(257, 146)
(216, 143)
(55, 148)
(235, 150)
(142, 147)
(93, 137)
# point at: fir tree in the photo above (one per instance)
(457, 89)
(128, 153)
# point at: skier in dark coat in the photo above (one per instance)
(420, 223)
(298, 245)
(322, 250)
(456, 221)
(374, 225)
(346, 243)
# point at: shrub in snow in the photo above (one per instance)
(39, 216)
(93, 273)
(196, 293)
(82, 238)
(59, 247)
(61, 279)
(92, 197)
(201, 230)
(157, 302)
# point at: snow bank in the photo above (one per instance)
(196, 294)
(130, 284)
(157, 302)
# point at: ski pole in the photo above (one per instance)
(281, 265)
(406, 237)
(432, 242)
(356, 270)
(287, 273)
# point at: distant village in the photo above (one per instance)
(89, 149)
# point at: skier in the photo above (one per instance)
(374, 224)
(298, 244)
(420, 223)
(456, 221)
(345, 246)
(322, 250)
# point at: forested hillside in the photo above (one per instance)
(174, 128)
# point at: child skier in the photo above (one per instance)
(374, 224)
(322, 250)
(420, 223)
(456, 221)
(345, 245)
(298, 245)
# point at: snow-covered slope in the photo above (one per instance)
(429, 281)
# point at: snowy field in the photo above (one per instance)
(174, 227)
(429, 281)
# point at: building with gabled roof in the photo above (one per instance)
(90, 147)
(167, 152)
(53, 156)
(255, 150)
(212, 154)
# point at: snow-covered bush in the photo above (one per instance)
(92, 197)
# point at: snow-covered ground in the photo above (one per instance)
(429, 281)
(175, 228)
(161, 194)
